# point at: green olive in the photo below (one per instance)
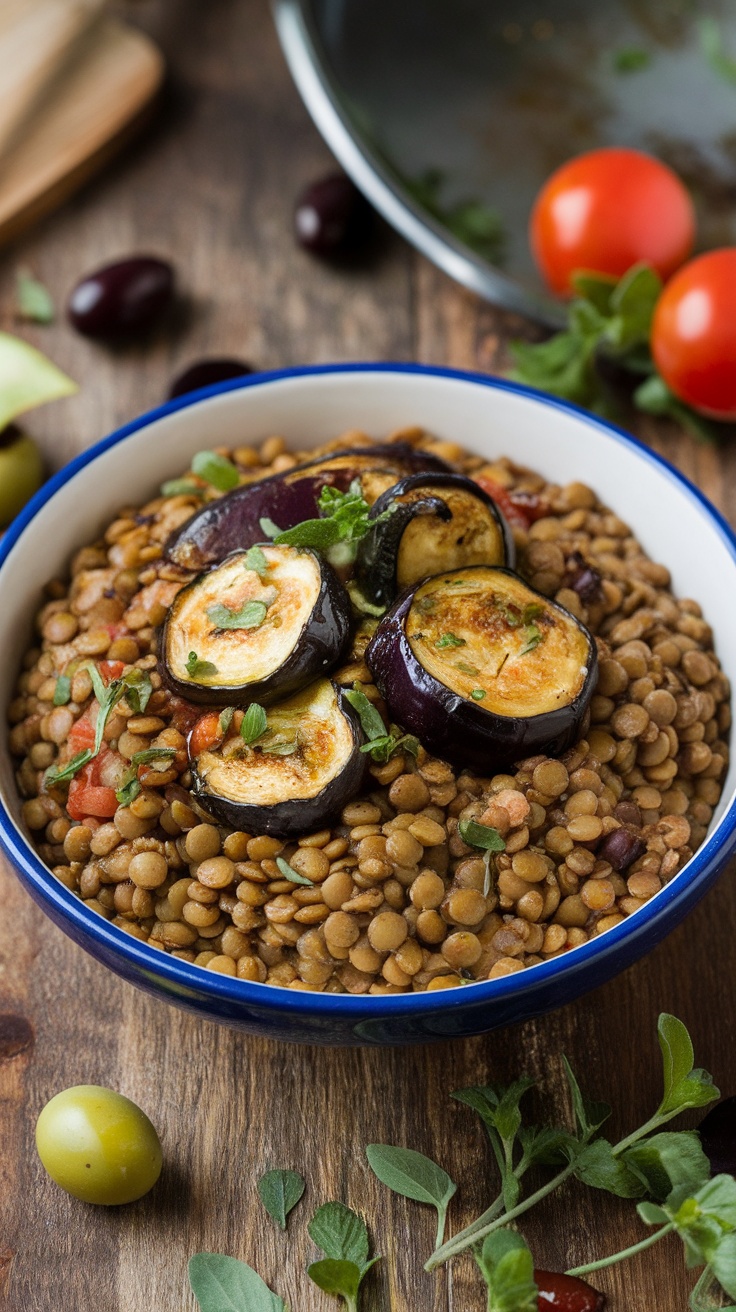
(98, 1145)
(21, 472)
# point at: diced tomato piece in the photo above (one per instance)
(86, 800)
(205, 734)
(111, 670)
(520, 508)
(82, 734)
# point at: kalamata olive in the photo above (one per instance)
(717, 1132)
(621, 848)
(584, 579)
(21, 472)
(121, 299)
(566, 1293)
(205, 372)
(332, 217)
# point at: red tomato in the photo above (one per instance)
(609, 209)
(519, 508)
(694, 334)
(93, 800)
(82, 734)
(205, 734)
(111, 670)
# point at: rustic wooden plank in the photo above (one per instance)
(213, 188)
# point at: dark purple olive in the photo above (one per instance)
(717, 1132)
(332, 216)
(122, 299)
(621, 849)
(584, 579)
(203, 373)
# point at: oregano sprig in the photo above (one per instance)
(342, 1236)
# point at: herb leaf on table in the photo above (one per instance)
(343, 1237)
(507, 1267)
(34, 302)
(224, 1284)
(280, 1191)
(414, 1176)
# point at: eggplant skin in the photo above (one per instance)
(323, 642)
(378, 560)
(294, 816)
(233, 522)
(458, 730)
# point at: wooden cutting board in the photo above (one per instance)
(80, 84)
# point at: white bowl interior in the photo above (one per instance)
(670, 522)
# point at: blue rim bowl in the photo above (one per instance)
(670, 515)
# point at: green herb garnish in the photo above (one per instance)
(449, 640)
(631, 59)
(345, 520)
(216, 470)
(280, 1191)
(291, 874)
(59, 774)
(255, 560)
(381, 745)
(483, 836)
(507, 1267)
(371, 721)
(478, 694)
(63, 690)
(607, 320)
(254, 724)
(197, 669)
(413, 1175)
(181, 487)
(250, 616)
(130, 785)
(286, 747)
(343, 1238)
(225, 720)
(34, 301)
(533, 636)
(466, 669)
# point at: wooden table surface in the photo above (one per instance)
(211, 185)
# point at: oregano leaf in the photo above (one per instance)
(280, 1191)
(224, 1284)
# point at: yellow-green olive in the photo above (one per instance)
(98, 1145)
(21, 472)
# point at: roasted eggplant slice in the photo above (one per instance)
(234, 521)
(302, 770)
(437, 522)
(263, 623)
(484, 669)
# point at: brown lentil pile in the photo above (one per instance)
(397, 901)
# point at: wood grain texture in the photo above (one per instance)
(212, 187)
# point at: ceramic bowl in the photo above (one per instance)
(673, 520)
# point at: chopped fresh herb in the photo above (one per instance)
(129, 785)
(181, 487)
(197, 669)
(483, 836)
(281, 747)
(291, 874)
(713, 47)
(250, 616)
(345, 520)
(59, 774)
(511, 614)
(225, 720)
(137, 689)
(382, 749)
(215, 470)
(254, 724)
(426, 604)
(631, 59)
(255, 560)
(466, 669)
(33, 300)
(533, 636)
(478, 694)
(531, 612)
(280, 1191)
(63, 690)
(450, 640)
(268, 528)
(370, 719)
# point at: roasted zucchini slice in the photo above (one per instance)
(484, 669)
(435, 522)
(260, 625)
(303, 769)
(234, 521)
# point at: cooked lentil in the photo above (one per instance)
(396, 900)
